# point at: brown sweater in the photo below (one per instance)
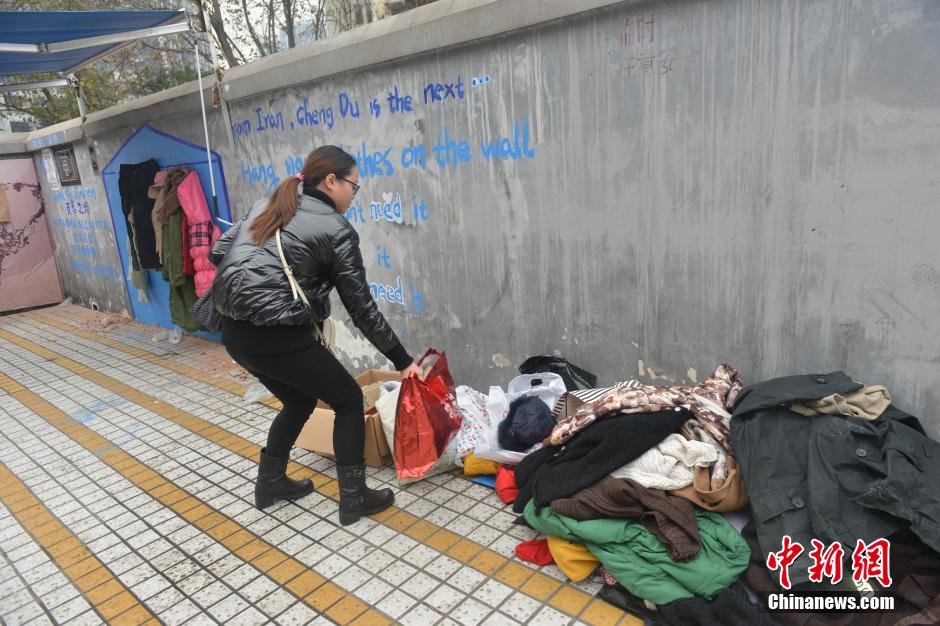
(669, 517)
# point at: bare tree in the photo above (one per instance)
(232, 55)
(289, 6)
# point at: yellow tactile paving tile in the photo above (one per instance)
(107, 596)
(80, 562)
(535, 584)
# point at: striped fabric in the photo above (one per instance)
(589, 395)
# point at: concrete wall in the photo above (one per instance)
(85, 247)
(675, 184)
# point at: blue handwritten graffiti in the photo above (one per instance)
(242, 128)
(399, 103)
(75, 207)
(354, 213)
(307, 116)
(269, 121)
(388, 293)
(294, 165)
(449, 151)
(383, 258)
(76, 193)
(507, 148)
(262, 174)
(413, 155)
(417, 300)
(440, 92)
(389, 210)
(98, 271)
(85, 224)
(419, 209)
(347, 106)
(373, 162)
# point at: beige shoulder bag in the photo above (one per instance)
(325, 335)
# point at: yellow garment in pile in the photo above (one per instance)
(574, 559)
(472, 466)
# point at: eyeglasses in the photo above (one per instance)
(355, 186)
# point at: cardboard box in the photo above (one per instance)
(317, 434)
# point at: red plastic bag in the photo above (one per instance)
(427, 418)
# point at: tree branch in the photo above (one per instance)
(251, 29)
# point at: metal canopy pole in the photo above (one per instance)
(76, 86)
(205, 128)
(98, 40)
(42, 84)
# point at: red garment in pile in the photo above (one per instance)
(535, 551)
(506, 484)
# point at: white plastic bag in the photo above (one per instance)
(546, 386)
(488, 448)
(176, 335)
(256, 392)
(387, 406)
(160, 335)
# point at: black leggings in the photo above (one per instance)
(298, 379)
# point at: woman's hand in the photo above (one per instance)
(412, 371)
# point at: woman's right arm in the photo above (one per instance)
(349, 276)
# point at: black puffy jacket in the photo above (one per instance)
(322, 249)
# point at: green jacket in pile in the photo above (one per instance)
(639, 560)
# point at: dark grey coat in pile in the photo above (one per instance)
(833, 478)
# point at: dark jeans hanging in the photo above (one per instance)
(133, 182)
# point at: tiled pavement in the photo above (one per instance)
(126, 472)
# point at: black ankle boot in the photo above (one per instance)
(273, 483)
(355, 499)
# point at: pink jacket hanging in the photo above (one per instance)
(202, 230)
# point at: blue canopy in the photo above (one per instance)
(33, 41)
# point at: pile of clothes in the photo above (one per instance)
(645, 487)
(635, 481)
(170, 229)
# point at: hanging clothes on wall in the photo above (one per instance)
(134, 181)
(189, 266)
(163, 192)
(182, 289)
(202, 230)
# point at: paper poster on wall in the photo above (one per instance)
(66, 166)
(28, 273)
(48, 164)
